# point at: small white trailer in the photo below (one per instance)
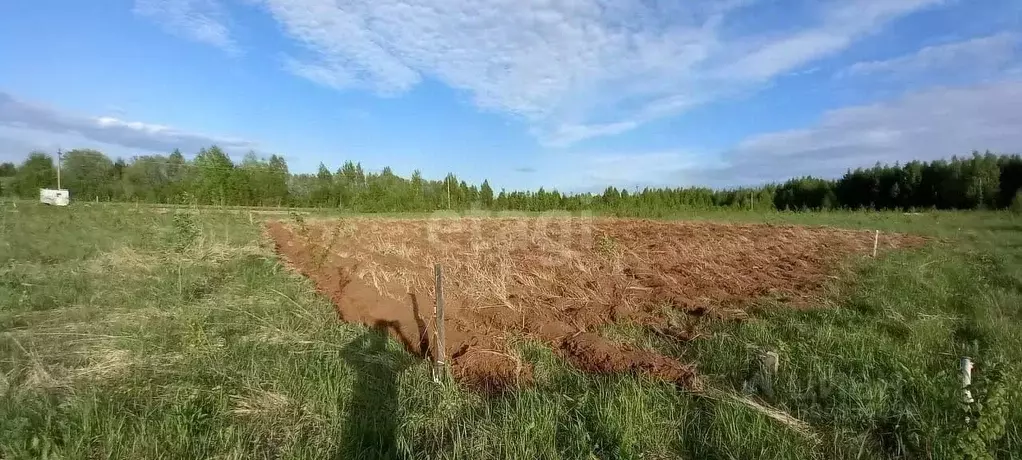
(55, 197)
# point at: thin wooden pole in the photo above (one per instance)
(441, 351)
(762, 371)
(876, 242)
(965, 369)
(965, 375)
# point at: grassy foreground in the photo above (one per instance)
(134, 332)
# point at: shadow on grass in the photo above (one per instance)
(371, 430)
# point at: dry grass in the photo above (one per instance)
(554, 279)
(261, 403)
(508, 263)
(105, 364)
(124, 260)
(873, 377)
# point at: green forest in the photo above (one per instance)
(976, 181)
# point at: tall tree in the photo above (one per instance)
(276, 182)
(213, 176)
(323, 193)
(88, 175)
(146, 178)
(486, 194)
(982, 181)
(35, 173)
(1010, 180)
(451, 191)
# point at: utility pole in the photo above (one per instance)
(448, 192)
(59, 156)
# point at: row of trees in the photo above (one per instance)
(979, 181)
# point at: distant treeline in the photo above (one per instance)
(980, 181)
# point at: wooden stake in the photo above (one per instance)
(762, 370)
(876, 242)
(965, 367)
(441, 352)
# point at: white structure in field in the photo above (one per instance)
(54, 197)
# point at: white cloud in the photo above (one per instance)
(977, 56)
(572, 69)
(564, 135)
(839, 27)
(111, 122)
(35, 121)
(199, 20)
(923, 125)
(544, 63)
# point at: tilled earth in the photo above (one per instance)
(559, 280)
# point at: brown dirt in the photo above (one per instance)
(558, 280)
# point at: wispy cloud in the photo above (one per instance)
(203, 21)
(922, 125)
(525, 169)
(573, 70)
(108, 130)
(977, 56)
(839, 25)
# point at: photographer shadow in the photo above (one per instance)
(371, 429)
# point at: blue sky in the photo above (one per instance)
(571, 94)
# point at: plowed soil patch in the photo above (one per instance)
(558, 281)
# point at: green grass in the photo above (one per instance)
(133, 332)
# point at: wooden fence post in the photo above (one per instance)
(441, 351)
(876, 242)
(762, 370)
(965, 375)
(965, 367)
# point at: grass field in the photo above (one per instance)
(135, 332)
